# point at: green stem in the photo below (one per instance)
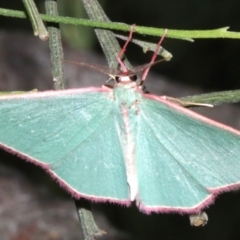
(107, 40)
(178, 34)
(215, 98)
(35, 18)
(18, 92)
(110, 48)
(89, 228)
(55, 45)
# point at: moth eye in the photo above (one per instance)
(133, 78)
(117, 79)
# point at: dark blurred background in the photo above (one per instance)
(32, 206)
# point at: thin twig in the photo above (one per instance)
(107, 40)
(55, 45)
(215, 98)
(36, 21)
(89, 228)
(188, 35)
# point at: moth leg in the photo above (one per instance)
(148, 46)
(120, 54)
(135, 106)
(154, 55)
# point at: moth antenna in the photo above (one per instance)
(99, 68)
(123, 50)
(154, 55)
